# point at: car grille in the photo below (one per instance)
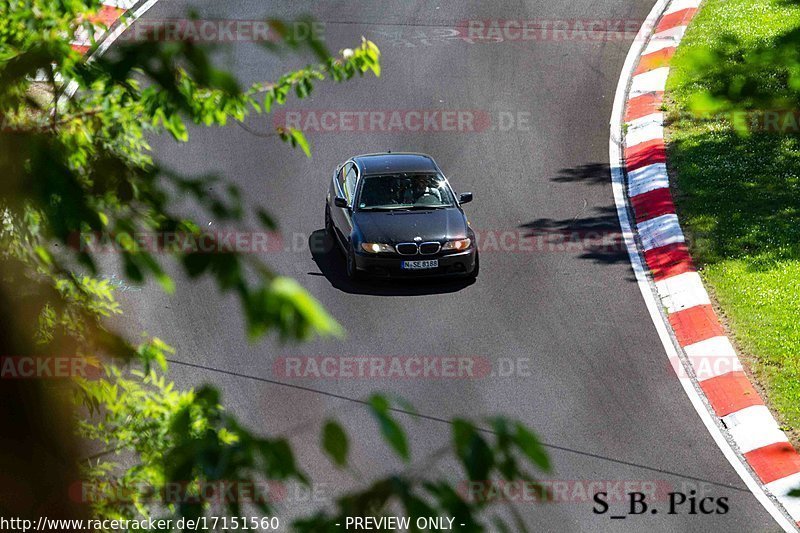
(429, 248)
(412, 248)
(407, 248)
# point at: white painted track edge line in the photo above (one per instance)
(616, 155)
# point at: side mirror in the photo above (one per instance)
(340, 202)
(465, 197)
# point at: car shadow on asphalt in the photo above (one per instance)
(331, 263)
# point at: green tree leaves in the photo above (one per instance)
(390, 429)
(472, 449)
(293, 312)
(296, 138)
(751, 63)
(506, 451)
(84, 162)
(76, 170)
(335, 443)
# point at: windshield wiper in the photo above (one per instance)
(427, 207)
(404, 208)
(377, 208)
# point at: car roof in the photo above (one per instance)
(400, 162)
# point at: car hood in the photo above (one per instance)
(403, 226)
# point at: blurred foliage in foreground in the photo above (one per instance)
(75, 163)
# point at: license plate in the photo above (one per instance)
(420, 265)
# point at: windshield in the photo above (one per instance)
(405, 191)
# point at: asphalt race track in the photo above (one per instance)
(588, 374)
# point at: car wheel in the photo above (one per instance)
(352, 272)
(474, 273)
(328, 221)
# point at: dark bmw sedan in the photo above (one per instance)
(395, 215)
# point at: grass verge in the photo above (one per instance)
(738, 195)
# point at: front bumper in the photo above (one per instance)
(389, 266)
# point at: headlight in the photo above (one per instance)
(376, 247)
(460, 244)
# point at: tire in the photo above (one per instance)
(474, 274)
(332, 240)
(350, 266)
(328, 222)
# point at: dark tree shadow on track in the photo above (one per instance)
(595, 236)
(591, 173)
(331, 263)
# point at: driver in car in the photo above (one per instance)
(420, 189)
